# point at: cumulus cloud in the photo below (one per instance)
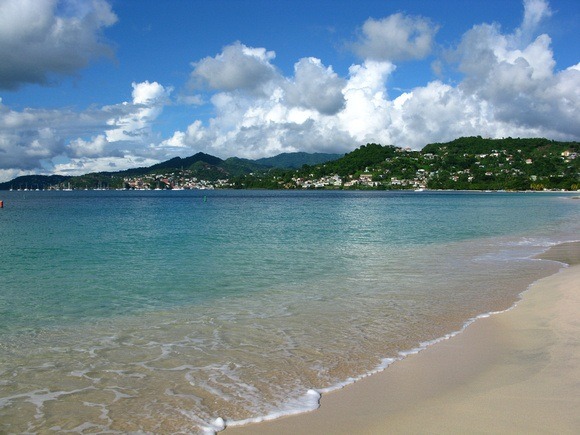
(315, 87)
(395, 38)
(313, 111)
(510, 86)
(518, 79)
(39, 39)
(247, 73)
(84, 165)
(257, 110)
(534, 12)
(26, 139)
(32, 138)
(367, 114)
(28, 148)
(237, 67)
(134, 122)
(89, 148)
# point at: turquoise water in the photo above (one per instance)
(164, 311)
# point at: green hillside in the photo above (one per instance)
(467, 163)
(34, 182)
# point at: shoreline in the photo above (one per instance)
(508, 371)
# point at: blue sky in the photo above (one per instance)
(90, 85)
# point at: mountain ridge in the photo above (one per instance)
(211, 166)
(466, 163)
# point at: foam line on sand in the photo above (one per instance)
(513, 372)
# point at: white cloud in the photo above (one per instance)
(237, 67)
(257, 110)
(25, 139)
(315, 87)
(27, 148)
(394, 38)
(510, 87)
(518, 81)
(33, 138)
(366, 116)
(10, 174)
(534, 12)
(134, 123)
(92, 148)
(36, 42)
(436, 112)
(507, 91)
(84, 165)
(333, 117)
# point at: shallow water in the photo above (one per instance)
(162, 311)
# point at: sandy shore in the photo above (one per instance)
(513, 372)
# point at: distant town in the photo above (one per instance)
(471, 163)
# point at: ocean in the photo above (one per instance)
(186, 311)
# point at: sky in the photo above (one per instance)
(106, 85)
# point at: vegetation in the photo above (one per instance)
(469, 163)
(510, 164)
(34, 182)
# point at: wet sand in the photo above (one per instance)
(513, 372)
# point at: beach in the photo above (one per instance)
(517, 371)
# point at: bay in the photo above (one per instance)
(162, 311)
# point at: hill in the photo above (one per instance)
(200, 165)
(34, 182)
(171, 164)
(468, 163)
(532, 147)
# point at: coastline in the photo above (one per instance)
(514, 371)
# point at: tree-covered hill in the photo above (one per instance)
(171, 164)
(34, 182)
(200, 166)
(532, 147)
(359, 159)
(467, 163)
(519, 164)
